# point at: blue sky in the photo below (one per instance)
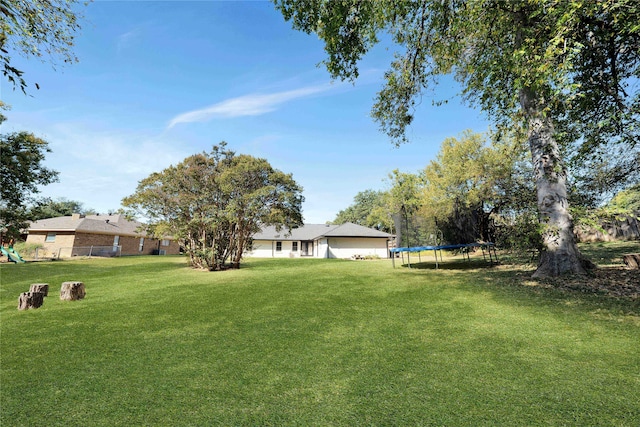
(159, 81)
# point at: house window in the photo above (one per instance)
(116, 241)
(141, 247)
(278, 246)
(51, 237)
(294, 247)
(164, 242)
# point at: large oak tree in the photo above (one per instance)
(562, 70)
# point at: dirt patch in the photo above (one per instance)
(612, 281)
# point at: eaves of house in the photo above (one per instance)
(92, 224)
(309, 232)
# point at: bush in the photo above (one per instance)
(521, 234)
(27, 250)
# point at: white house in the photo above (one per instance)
(321, 241)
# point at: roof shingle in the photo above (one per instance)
(316, 231)
(97, 224)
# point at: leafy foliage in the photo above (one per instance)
(537, 65)
(627, 200)
(365, 211)
(465, 185)
(479, 187)
(580, 56)
(36, 28)
(612, 220)
(49, 208)
(21, 173)
(214, 202)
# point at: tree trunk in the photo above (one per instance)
(40, 287)
(72, 291)
(29, 300)
(560, 253)
(632, 261)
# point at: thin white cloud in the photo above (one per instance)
(126, 39)
(99, 167)
(248, 105)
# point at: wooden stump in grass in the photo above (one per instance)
(632, 261)
(40, 287)
(29, 300)
(72, 291)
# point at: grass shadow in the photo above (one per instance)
(457, 264)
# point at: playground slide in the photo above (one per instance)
(12, 255)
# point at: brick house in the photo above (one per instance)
(100, 235)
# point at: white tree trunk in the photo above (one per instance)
(560, 253)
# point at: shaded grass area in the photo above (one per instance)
(311, 342)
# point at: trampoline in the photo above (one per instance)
(488, 248)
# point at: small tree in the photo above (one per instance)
(214, 202)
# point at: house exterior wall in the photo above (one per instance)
(267, 249)
(347, 247)
(130, 245)
(333, 247)
(63, 239)
(66, 241)
(88, 240)
(321, 248)
(173, 248)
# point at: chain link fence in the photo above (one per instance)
(80, 251)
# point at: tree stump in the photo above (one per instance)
(29, 300)
(632, 261)
(72, 291)
(40, 287)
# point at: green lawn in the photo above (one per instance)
(313, 343)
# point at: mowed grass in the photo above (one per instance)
(311, 342)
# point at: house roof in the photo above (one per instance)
(317, 231)
(94, 224)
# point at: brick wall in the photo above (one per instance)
(63, 239)
(66, 240)
(130, 244)
(172, 249)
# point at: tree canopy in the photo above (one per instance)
(215, 202)
(561, 71)
(50, 208)
(627, 200)
(22, 172)
(472, 180)
(363, 210)
(43, 29)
